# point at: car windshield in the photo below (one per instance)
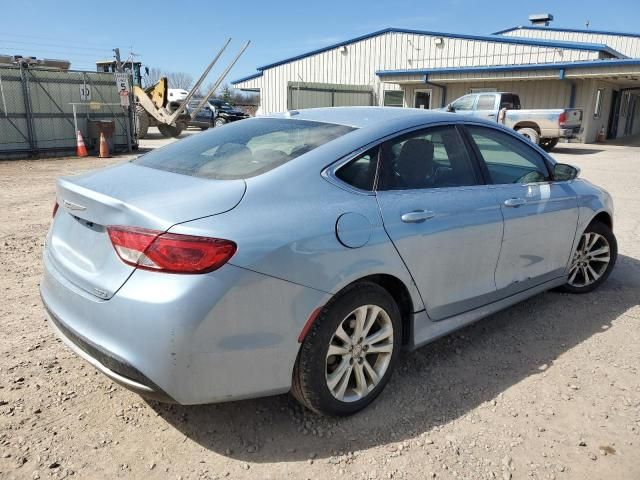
(242, 149)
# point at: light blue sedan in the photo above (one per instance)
(303, 252)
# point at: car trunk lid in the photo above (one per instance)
(78, 243)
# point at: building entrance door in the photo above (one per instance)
(422, 99)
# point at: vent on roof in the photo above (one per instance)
(540, 19)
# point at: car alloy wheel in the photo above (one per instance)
(350, 352)
(590, 260)
(359, 353)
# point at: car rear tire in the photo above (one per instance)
(219, 122)
(348, 356)
(593, 259)
(548, 144)
(531, 134)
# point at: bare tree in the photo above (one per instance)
(153, 77)
(234, 96)
(180, 80)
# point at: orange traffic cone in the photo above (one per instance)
(81, 150)
(104, 147)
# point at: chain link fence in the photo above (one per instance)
(38, 116)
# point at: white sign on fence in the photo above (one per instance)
(124, 99)
(85, 92)
(122, 82)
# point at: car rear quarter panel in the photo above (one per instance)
(229, 334)
(285, 227)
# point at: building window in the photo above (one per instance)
(598, 110)
(393, 98)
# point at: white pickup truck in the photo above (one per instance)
(543, 127)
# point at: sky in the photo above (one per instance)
(185, 36)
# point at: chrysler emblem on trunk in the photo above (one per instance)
(72, 206)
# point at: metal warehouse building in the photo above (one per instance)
(548, 67)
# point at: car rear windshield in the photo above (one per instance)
(242, 149)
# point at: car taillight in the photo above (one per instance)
(55, 209)
(169, 252)
(562, 119)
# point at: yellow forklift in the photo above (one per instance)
(152, 107)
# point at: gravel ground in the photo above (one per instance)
(546, 389)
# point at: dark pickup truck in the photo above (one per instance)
(215, 114)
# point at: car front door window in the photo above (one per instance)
(508, 159)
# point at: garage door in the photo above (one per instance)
(313, 95)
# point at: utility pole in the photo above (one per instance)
(127, 110)
(118, 62)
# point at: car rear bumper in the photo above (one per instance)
(115, 368)
(187, 339)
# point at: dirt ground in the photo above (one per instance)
(548, 389)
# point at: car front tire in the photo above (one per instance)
(348, 356)
(593, 259)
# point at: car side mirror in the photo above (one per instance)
(450, 108)
(563, 172)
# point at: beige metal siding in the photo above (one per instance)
(627, 45)
(391, 51)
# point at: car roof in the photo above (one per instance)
(361, 117)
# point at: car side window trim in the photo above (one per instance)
(328, 173)
(476, 159)
(474, 152)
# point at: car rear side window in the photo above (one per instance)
(510, 101)
(508, 159)
(433, 158)
(361, 171)
(243, 149)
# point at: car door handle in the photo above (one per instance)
(417, 216)
(491, 115)
(514, 202)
